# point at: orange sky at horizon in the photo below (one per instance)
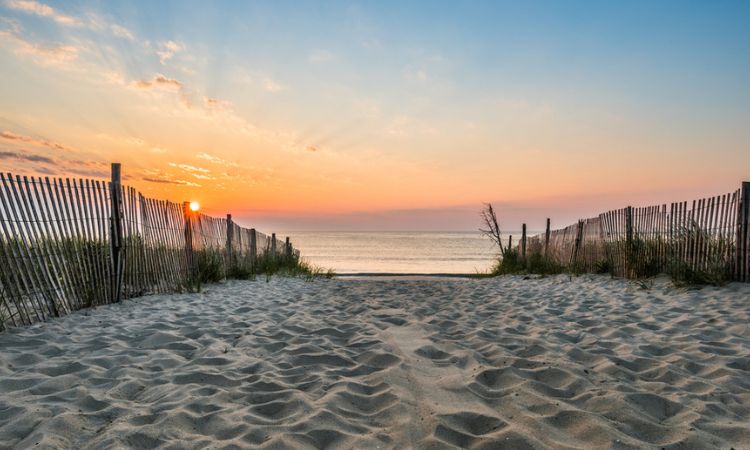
(384, 121)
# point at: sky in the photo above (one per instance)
(382, 115)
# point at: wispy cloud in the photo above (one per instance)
(159, 81)
(121, 31)
(189, 168)
(163, 83)
(159, 89)
(216, 160)
(26, 157)
(48, 165)
(56, 54)
(10, 136)
(10, 25)
(215, 103)
(168, 49)
(43, 10)
(170, 181)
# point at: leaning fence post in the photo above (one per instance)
(510, 241)
(523, 242)
(546, 239)
(273, 246)
(115, 232)
(743, 234)
(188, 241)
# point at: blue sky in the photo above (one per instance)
(315, 110)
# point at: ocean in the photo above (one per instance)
(397, 252)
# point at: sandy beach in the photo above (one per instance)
(591, 363)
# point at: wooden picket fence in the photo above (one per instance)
(67, 244)
(710, 234)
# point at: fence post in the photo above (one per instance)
(628, 240)
(576, 248)
(546, 239)
(115, 232)
(230, 238)
(287, 249)
(743, 234)
(510, 241)
(188, 240)
(253, 247)
(523, 242)
(273, 246)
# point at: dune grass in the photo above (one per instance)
(692, 257)
(511, 262)
(45, 277)
(213, 265)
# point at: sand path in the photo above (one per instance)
(590, 363)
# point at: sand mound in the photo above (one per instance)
(591, 363)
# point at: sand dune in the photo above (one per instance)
(361, 363)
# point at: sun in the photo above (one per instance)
(194, 206)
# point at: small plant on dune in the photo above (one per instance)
(294, 266)
(703, 260)
(209, 265)
(645, 284)
(537, 263)
(288, 266)
(577, 268)
(642, 258)
(240, 272)
(685, 274)
(491, 226)
(510, 260)
(510, 263)
(240, 267)
(603, 266)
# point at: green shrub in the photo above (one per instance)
(691, 268)
(643, 258)
(209, 265)
(684, 274)
(602, 266)
(511, 262)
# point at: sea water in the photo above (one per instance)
(397, 252)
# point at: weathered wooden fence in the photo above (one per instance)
(710, 234)
(67, 244)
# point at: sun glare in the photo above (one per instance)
(195, 206)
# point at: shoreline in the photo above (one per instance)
(398, 275)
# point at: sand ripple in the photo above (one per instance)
(590, 363)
